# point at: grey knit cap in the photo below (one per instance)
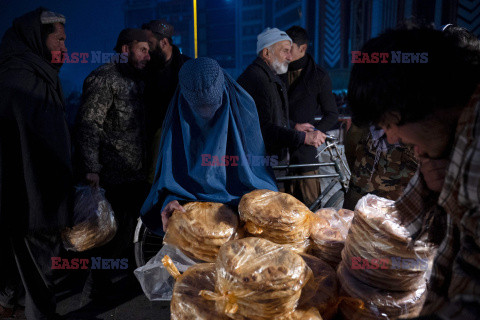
(270, 36)
(201, 83)
(49, 17)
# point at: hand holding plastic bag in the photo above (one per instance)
(94, 221)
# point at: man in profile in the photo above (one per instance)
(309, 96)
(35, 162)
(111, 140)
(435, 108)
(162, 80)
(262, 82)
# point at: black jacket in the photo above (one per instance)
(160, 87)
(310, 96)
(35, 160)
(270, 96)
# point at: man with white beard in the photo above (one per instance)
(260, 79)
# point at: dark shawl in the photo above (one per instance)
(35, 159)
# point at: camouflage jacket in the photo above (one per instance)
(385, 173)
(110, 125)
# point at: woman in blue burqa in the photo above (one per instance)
(210, 117)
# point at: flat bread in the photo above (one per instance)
(186, 302)
(277, 217)
(202, 229)
(264, 278)
(321, 291)
(270, 208)
(378, 302)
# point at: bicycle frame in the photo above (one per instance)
(337, 162)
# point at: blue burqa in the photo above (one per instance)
(186, 166)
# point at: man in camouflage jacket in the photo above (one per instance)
(111, 134)
(378, 167)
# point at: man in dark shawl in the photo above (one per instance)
(210, 118)
(162, 80)
(35, 161)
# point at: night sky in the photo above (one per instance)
(92, 25)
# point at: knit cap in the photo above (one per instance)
(50, 17)
(270, 36)
(129, 35)
(201, 83)
(160, 27)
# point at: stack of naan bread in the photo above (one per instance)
(202, 229)
(278, 217)
(254, 278)
(268, 275)
(329, 230)
(376, 237)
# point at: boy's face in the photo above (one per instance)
(431, 138)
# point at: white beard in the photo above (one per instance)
(278, 67)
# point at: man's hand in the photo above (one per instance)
(168, 210)
(434, 172)
(305, 127)
(315, 138)
(93, 179)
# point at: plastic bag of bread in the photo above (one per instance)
(329, 230)
(321, 291)
(379, 250)
(378, 304)
(202, 229)
(276, 216)
(94, 221)
(155, 279)
(257, 279)
(187, 303)
(303, 314)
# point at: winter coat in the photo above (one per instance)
(310, 96)
(110, 129)
(36, 179)
(160, 86)
(270, 96)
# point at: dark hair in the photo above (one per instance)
(298, 34)
(158, 36)
(415, 90)
(462, 36)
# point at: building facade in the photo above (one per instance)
(228, 29)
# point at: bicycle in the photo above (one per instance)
(340, 176)
(147, 244)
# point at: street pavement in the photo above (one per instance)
(125, 301)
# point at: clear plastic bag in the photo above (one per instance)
(187, 303)
(382, 265)
(329, 229)
(303, 314)
(257, 279)
(202, 229)
(321, 291)
(377, 304)
(379, 250)
(276, 216)
(154, 278)
(94, 220)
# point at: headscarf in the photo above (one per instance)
(191, 130)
